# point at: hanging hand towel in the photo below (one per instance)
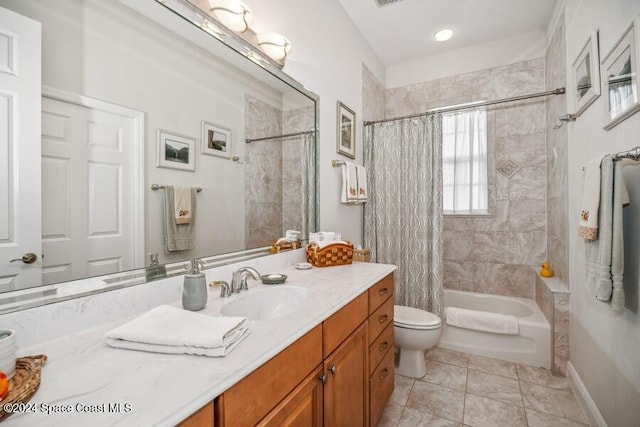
(182, 205)
(349, 193)
(482, 320)
(177, 237)
(588, 228)
(361, 173)
(167, 329)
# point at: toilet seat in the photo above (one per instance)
(414, 318)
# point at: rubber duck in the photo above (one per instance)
(546, 271)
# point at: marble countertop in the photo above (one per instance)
(85, 382)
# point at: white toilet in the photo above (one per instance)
(415, 331)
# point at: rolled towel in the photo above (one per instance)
(482, 320)
(167, 329)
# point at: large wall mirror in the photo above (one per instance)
(135, 96)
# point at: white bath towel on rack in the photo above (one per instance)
(482, 320)
(349, 194)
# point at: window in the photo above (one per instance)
(464, 163)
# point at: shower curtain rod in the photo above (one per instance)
(558, 91)
(286, 135)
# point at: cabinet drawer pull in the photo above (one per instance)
(383, 346)
(383, 374)
(382, 291)
(333, 369)
(383, 318)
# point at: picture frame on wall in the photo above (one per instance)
(176, 151)
(586, 74)
(216, 141)
(619, 73)
(346, 138)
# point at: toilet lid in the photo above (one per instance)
(414, 318)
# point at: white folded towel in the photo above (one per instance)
(588, 228)
(182, 205)
(482, 320)
(349, 194)
(167, 329)
(361, 173)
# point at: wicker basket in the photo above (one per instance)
(331, 255)
(25, 382)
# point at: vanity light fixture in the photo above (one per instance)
(443, 35)
(234, 14)
(276, 46)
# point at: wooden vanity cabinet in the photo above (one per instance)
(203, 417)
(338, 374)
(381, 354)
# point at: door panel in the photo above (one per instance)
(20, 179)
(88, 217)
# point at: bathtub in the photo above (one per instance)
(532, 345)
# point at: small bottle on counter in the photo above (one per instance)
(194, 288)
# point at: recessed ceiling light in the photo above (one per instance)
(443, 35)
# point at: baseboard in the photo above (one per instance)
(584, 398)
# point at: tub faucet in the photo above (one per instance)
(239, 279)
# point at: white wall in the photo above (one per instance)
(604, 346)
(521, 47)
(327, 56)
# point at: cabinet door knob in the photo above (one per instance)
(323, 378)
(333, 369)
(383, 346)
(382, 291)
(383, 374)
(383, 318)
(28, 258)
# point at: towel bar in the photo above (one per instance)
(336, 163)
(156, 187)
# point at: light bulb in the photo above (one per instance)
(234, 14)
(276, 46)
(443, 35)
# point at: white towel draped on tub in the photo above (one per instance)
(482, 320)
(167, 329)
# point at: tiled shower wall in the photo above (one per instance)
(273, 172)
(557, 148)
(552, 294)
(373, 96)
(495, 254)
(263, 174)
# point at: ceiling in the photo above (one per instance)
(403, 31)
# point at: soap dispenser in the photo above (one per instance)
(155, 270)
(194, 289)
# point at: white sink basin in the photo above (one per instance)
(268, 303)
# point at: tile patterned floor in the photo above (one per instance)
(462, 389)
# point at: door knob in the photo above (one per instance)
(28, 258)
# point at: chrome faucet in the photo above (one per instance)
(239, 279)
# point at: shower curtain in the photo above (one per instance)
(403, 217)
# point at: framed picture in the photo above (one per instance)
(176, 151)
(619, 70)
(216, 141)
(346, 140)
(586, 74)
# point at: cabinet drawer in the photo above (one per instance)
(381, 387)
(378, 349)
(380, 318)
(342, 324)
(379, 292)
(253, 397)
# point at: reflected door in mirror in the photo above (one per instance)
(19, 157)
